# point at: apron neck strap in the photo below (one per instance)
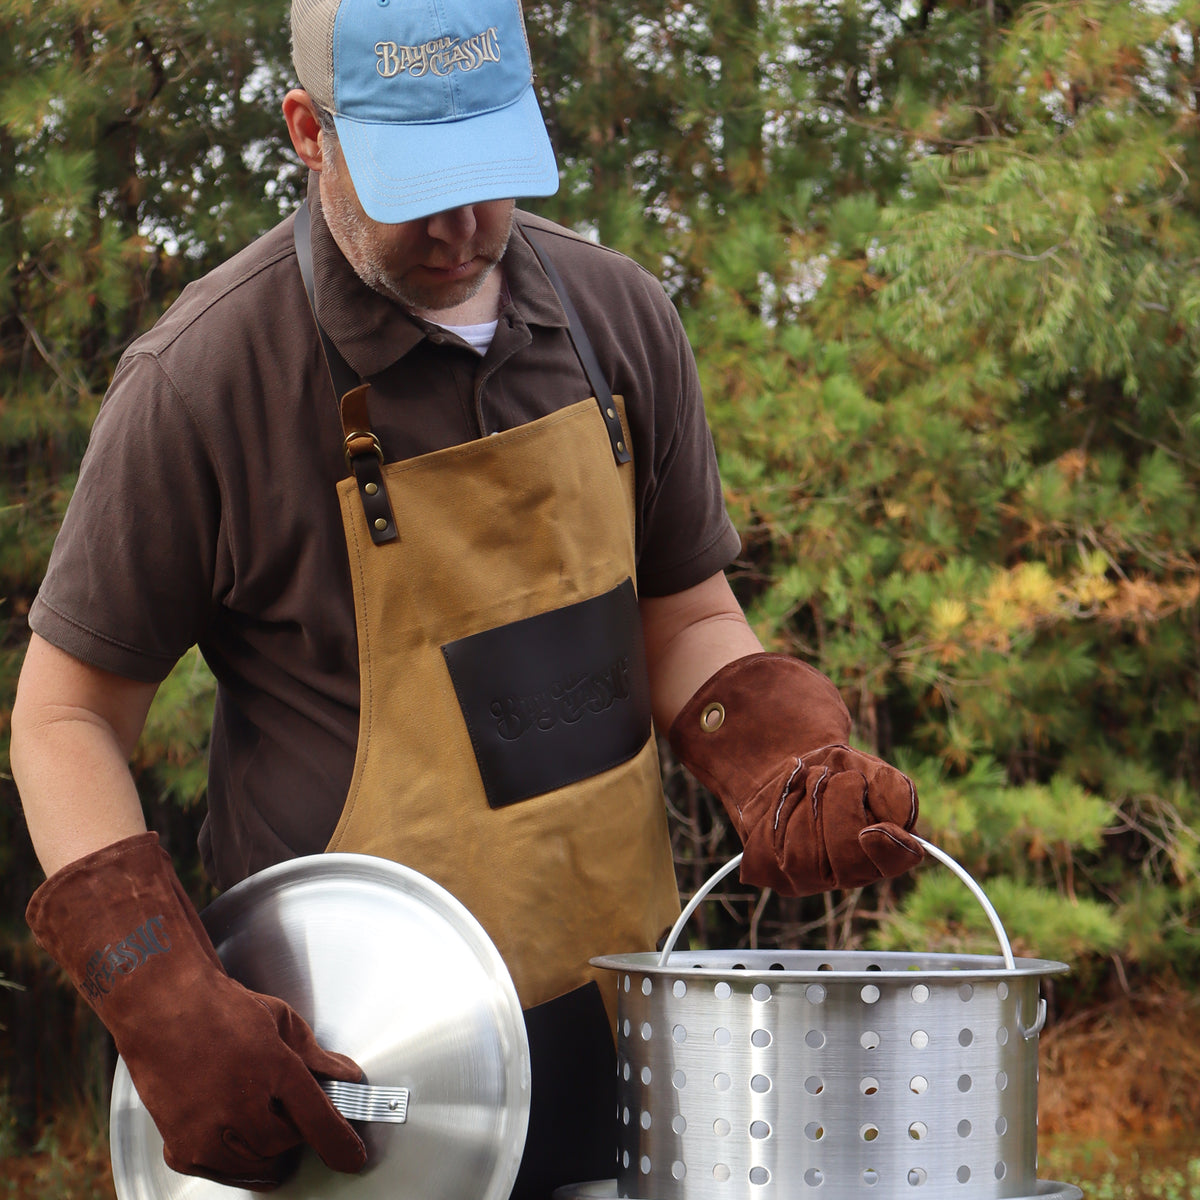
(583, 349)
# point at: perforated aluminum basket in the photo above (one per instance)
(831, 1075)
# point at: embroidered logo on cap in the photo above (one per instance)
(442, 56)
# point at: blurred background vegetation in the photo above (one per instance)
(938, 259)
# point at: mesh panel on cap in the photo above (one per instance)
(312, 47)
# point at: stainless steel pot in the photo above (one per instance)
(389, 968)
(840, 1075)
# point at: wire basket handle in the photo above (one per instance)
(942, 857)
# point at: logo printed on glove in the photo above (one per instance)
(123, 958)
(441, 56)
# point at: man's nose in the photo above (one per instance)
(452, 225)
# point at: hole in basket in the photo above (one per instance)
(647, 986)
(721, 1081)
(963, 1174)
(918, 1084)
(814, 1085)
(760, 1038)
(721, 1172)
(761, 992)
(965, 992)
(918, 1130)
(813, 1177)
(760, 1175)
(678, 1123)
(627, 1071)
(625, 1160)
(964, 1083)
(825, 967)
(627, 983)
(679, 989)
(777, 966)
(815, 994)
(722, 1037)
(679, 1081)
(868, 1086)
(869, 1040)
(646, 1119)
(919, 1039)
(625, 1116)
(760, 1130)
(679, 1034)
(626, 1027)
(870, 1177)
(964, 1128)
(678, 1170)
(920, 993)
(1002, 1036)
(814, 1038)
(869, 994)
(1001, 1170)
(646, 1075)
(814, 1132)
(760, 1083)
(646, 1031)
(917, 1176)
(868, 1133)
(965, 1037)
(1002, 990)
(722, 991)
(721, 1127)
(645, 1164)
(1001, 1081)
(1001, 1125)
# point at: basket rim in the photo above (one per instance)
(960, 968)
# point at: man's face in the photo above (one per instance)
(428, 265)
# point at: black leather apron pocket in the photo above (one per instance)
(573, 1103)
(554, 698)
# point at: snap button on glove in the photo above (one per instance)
(767, 735)
(226, 1073)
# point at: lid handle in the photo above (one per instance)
(367, 1101)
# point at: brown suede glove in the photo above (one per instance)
(226, 1073)
(767, 735)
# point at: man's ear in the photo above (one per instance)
(304, 128)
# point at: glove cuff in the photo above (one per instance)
(117, 920)
(754, 716)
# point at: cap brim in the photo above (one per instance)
(404, 172)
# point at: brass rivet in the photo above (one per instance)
(371, 489)
(380, 524)
(713, 717)
(621, 447)
(611, 413)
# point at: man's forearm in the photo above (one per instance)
(73, 731)
(689, 637)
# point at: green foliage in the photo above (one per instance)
(938, 264)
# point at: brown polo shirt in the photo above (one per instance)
(206, 510)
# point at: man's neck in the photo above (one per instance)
(482, 307)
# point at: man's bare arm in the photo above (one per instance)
(74, 729)
(689, 636)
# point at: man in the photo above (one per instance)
(445, 521)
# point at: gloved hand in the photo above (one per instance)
(226, 1073)
(767, 735)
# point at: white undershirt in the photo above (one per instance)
(478, 337)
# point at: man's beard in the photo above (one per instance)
(349, 228)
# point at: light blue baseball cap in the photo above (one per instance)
(433, 100)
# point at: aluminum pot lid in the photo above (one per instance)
(390, 969)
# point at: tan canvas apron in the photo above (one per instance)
(489, 533)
